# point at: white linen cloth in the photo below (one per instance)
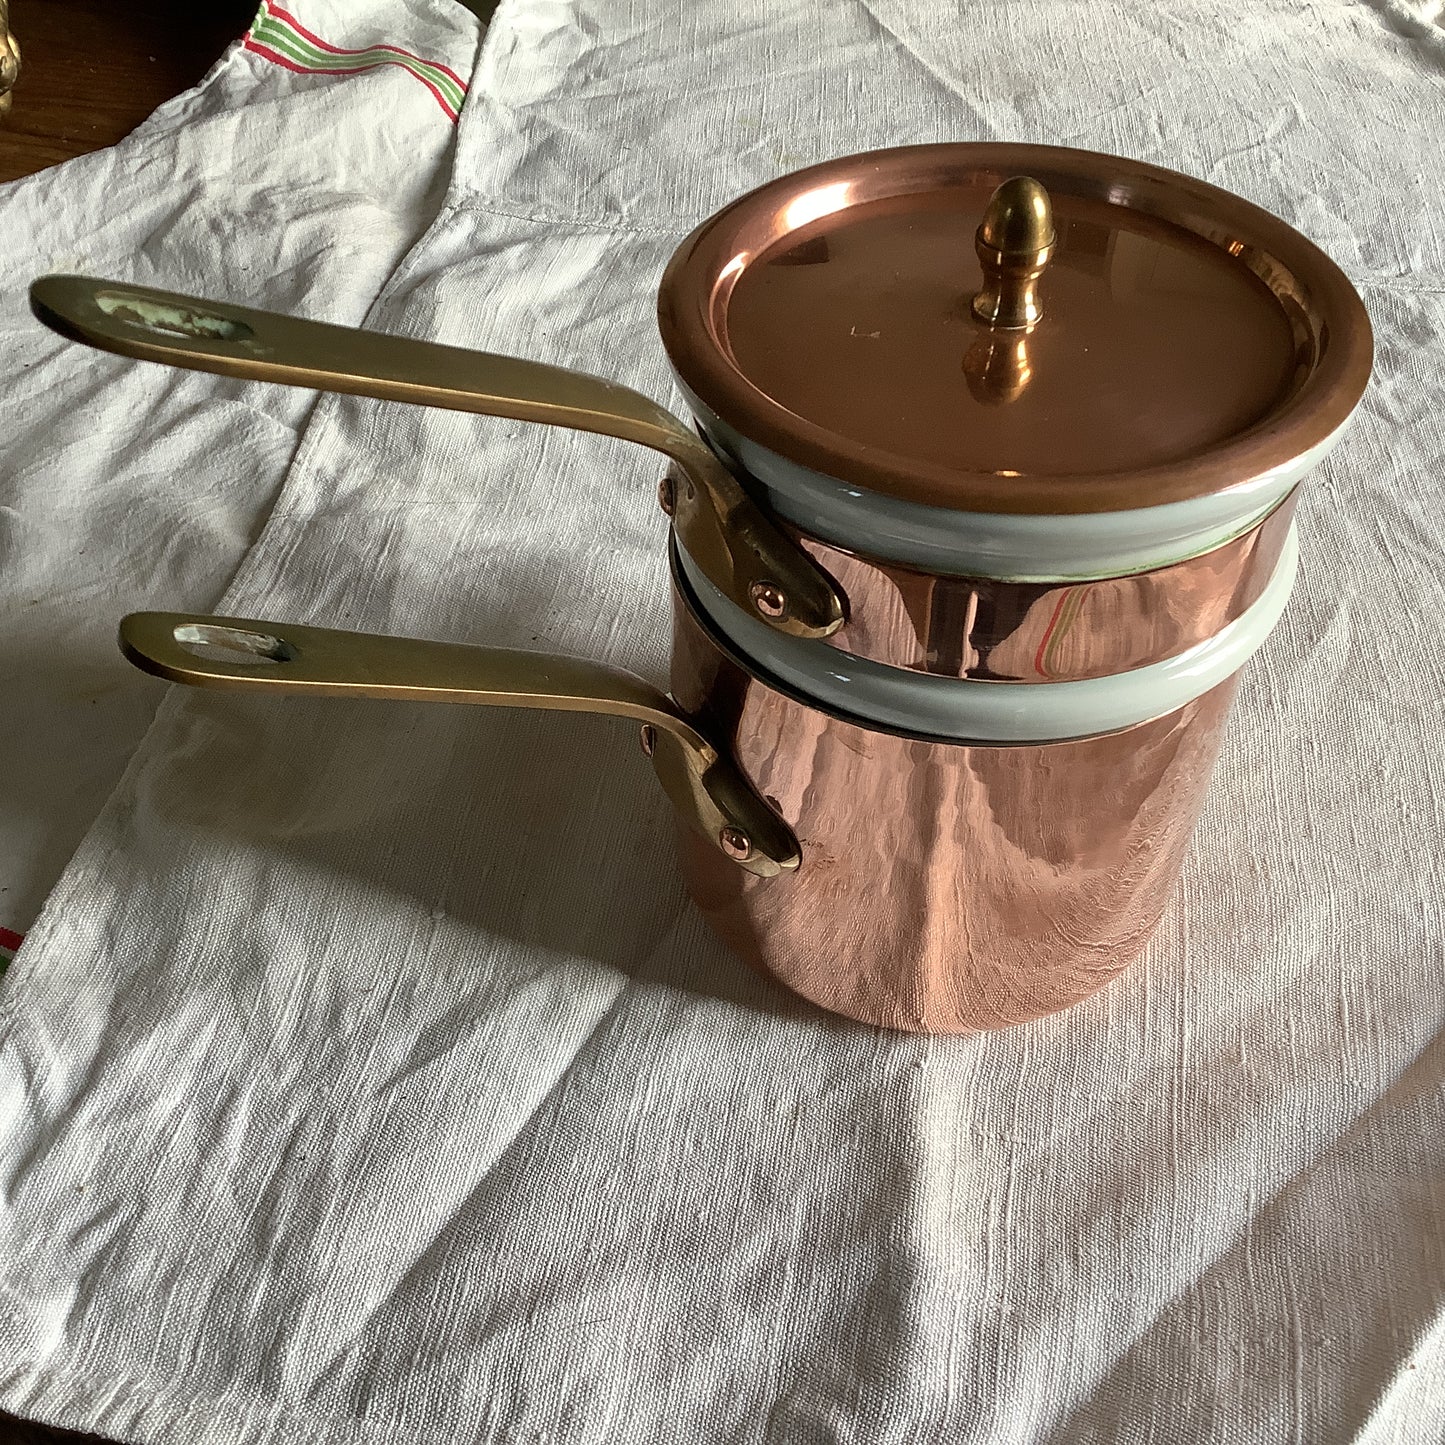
(123, 483)
(368, 1078)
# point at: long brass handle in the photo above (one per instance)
(241, 654)
(733, 541)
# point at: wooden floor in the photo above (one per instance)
(92, 70)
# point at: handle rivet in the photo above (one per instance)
(735, 843)
(648, 739)
(769, 599)
(667, 494)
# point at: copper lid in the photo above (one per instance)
(1101, 336)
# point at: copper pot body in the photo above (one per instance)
(945, 887)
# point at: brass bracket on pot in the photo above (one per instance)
(738, 547)
(240, 654)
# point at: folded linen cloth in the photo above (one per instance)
(126, 485)
(369, 1078)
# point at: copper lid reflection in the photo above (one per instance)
(1154, 344)
(1188, 339)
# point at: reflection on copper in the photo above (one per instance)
(1174, 348)
(813, 205)
(945, 887)
(1047, 631)
(1283, 374)
(812, 252)
(997, 367)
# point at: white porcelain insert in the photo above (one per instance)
(898, 700)
(1076, 547)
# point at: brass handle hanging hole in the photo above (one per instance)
(233, 645)
(170, 319)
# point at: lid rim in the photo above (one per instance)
(1315, 409)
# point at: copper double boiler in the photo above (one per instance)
(987, 497)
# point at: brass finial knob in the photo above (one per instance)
(1014, 244)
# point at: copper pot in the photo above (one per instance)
(945, 886)
(970, 543)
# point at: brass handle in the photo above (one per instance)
(734, 542)
(1014, 243)
(240, 654)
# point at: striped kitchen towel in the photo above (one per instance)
(278, 36)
